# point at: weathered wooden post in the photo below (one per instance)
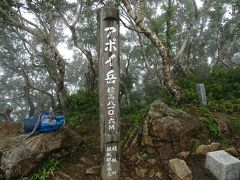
(108, 59)
(202, 94)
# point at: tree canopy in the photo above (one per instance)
(162, 42)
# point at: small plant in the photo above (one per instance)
(227, 106)
(85, 142)
(134, 115)
(82, 107)
(204, 110)
(212, 127)
(45, 171)
(236, 124)
(195, 143)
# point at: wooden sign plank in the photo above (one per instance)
(108, 59)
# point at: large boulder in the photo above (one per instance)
(19, 156)
(164, 133)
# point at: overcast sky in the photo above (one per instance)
(68, 54)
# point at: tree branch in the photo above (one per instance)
(14, 22)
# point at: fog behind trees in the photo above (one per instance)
(164, 41)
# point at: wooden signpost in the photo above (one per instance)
(108, 59)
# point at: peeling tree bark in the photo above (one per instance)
(91, 74)
(167, 80)
(27, 92)
(46, 36)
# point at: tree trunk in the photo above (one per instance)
(61, 91)
(56, 64)
(90, 76)
(56, 69)
(29, 100)
(167, 80)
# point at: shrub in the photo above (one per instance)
(212, 126)
(195, 143)
(222, 88)
(134, 114)
(45, 171)
(82, 106)
(235, 122)
(227, 106)
(224, 83)
(188, 86)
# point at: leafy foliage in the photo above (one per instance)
(227, 106)
(225, 82)
(81, 106)
(222, 88)
(133, 114)
(188, 85)
(236, 124)
(45, 171)
(212, 127)
(195, 143)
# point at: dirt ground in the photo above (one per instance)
(87, 156)
(72, 166)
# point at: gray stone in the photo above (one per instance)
(86, 161)
(202, 94)
(134, 157)
(168, 130)
(95, 170)
(179, 170)
(19, 156)
(151, 173)
(128, 178)
(183, 155)
(232, 151)
(204, 149)
(141, 172)
(223, 165)
(152, 161)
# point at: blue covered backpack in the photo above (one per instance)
(43, 122)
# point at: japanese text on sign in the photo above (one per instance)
(110, 77)
(110, 159)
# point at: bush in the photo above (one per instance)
(222, 88)
(195, 143)
(235, 122)
(45, 171)
(224, 84)
(212, 127)
(227, 106)
(188, 87)
(134, 114)
(81, 106)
